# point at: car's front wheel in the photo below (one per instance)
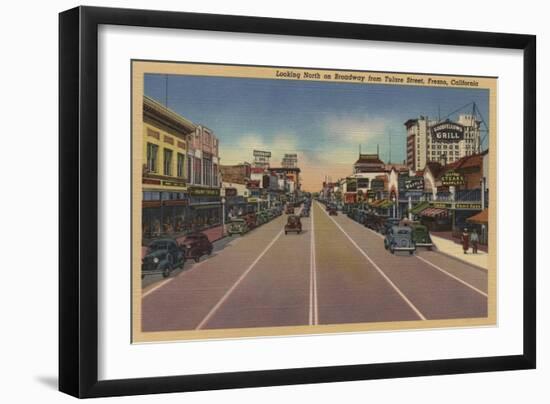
(166, 271)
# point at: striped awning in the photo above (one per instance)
(434, 212)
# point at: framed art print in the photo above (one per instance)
(250, 202)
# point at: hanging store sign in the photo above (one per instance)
(451, 178)
(371, 194)
(362, 182)
(377, 185)
(447, 132)
(414, 184)
(230, 192)
(351, 184)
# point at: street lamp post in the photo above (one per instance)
(223, 216)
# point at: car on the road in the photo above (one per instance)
(332, 211)
(289, 209)
(388, 223)
(196, 245)
(162, 257)
(293, 224)
(237, 226)
(420, 234)
(399, 238)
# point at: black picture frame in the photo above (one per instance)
(78, 196)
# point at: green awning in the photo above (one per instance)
(386, 204)
(420, 207)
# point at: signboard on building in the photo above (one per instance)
(173, 183)
(261, 158)
(362, 182)
(230, 192)
(468, 206)
(441, 205)
(350, 197)
(451, 178)
(371, 194)
(447, 132)
(197, 191)
(351, 184)
(377, 185)
(413, 183)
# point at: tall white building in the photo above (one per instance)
(441, 141)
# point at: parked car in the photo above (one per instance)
(250, 220)
(332, 211)
(420, 234)
(162, 257)
(293, 224)
(237, 226)
(289, 210)
(196, 245)
(399, 238)
(375, 221)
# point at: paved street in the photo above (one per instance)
(336, 271)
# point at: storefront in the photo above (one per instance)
(205, 212)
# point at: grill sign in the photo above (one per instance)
(447, 132)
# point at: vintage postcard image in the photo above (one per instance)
(292, 200)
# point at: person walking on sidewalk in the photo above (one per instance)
(475, 240)
(465, 241)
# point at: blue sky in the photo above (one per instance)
(323, 122)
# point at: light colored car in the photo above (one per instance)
(237, 226)
(399, 238)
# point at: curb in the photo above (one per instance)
(480, 268)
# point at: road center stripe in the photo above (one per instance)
(399, 292)
(313, 306)
(237, 282)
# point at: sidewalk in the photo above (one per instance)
(445, 246)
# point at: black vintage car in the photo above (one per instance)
(162, 257)
(293, 224)
(196, 245)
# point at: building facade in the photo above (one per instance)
(164, 173)
(441, 141)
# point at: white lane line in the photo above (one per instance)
(399, 292)
(452, 276)
(441, 269)
(237, 282)
(313, 306)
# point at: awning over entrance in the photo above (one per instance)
(434, 212)
(480, 218)
(420, 207)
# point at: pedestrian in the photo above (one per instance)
(465, 241)
(474, 238)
